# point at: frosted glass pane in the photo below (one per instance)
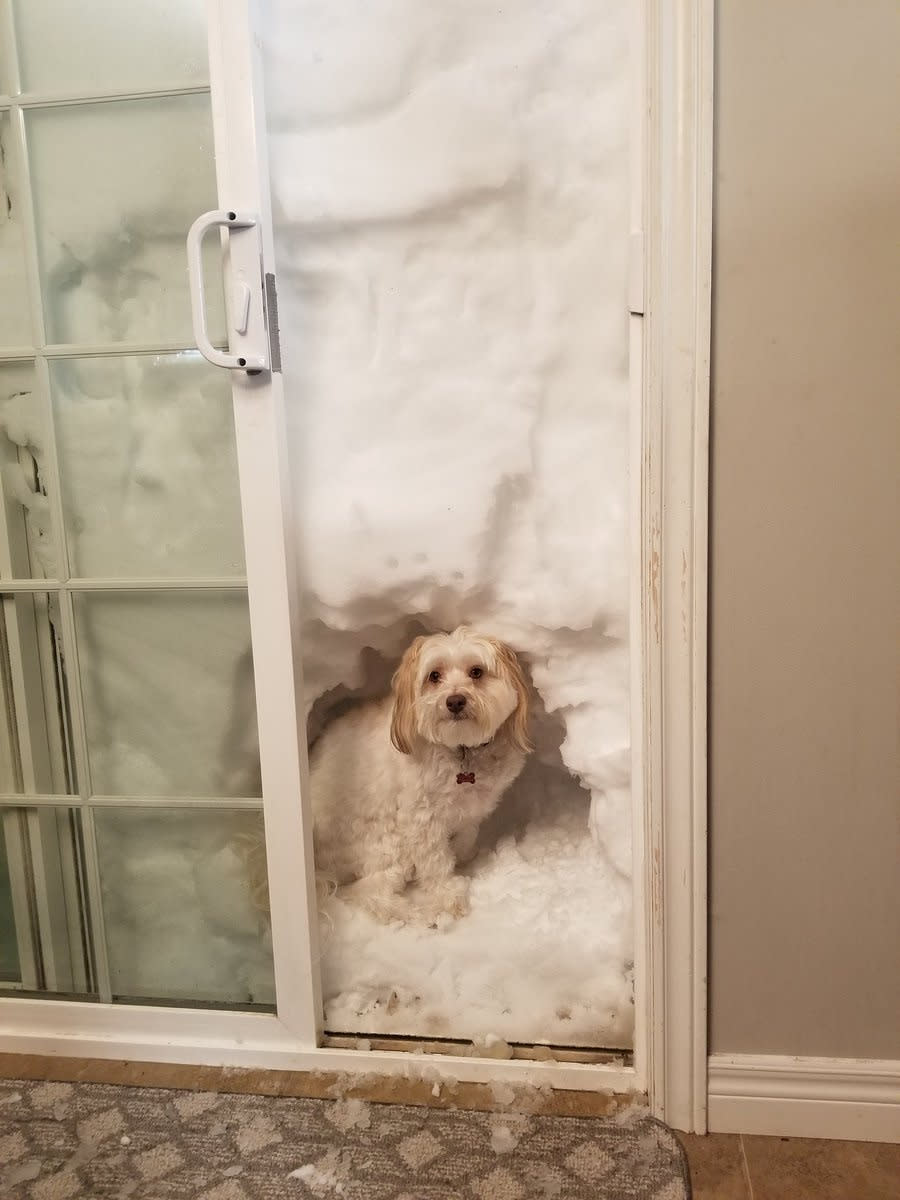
(180, 924)
(45, 848)
(104, 44)
(28, 548)
(15, 323)
(9, 948)
(117, 187)
(148, 466)
(167, 680)
(35, 749)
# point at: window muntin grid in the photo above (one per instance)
(49, 579)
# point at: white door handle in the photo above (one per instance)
(241, 224)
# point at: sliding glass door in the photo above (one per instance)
(129, 762)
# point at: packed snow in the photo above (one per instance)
(328, 1176)
(531, 961)
(507, 1132)
(450, 187)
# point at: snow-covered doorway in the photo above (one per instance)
(451, 199)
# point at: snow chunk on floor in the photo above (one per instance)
(350, 1114)
(491, 1045)
(503, 1140)
(326, 1177)
(502, 1093)
(507, 1132)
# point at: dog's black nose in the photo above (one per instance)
(456, 704)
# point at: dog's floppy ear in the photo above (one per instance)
(518, 720)
(403, 720)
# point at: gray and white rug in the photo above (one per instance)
(60, 1141)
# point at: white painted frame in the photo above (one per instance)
(674, 470)
(670, 340)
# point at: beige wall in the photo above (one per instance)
(805, 921)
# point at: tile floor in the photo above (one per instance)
(730, 1166)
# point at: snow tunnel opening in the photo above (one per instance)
(545, 786)
(536, 879)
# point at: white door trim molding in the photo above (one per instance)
(674, 514)
(850, 1098)
(671, 331)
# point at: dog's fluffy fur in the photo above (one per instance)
(400, 786)
(388, 809)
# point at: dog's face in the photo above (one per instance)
(459, 689)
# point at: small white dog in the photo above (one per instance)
(400, 786)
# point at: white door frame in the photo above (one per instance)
(670, 338)
(674, 513)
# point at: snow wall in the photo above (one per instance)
(450, 189)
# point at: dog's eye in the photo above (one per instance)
(476, 673)
(435, 677)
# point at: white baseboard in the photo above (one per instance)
(849, 1098)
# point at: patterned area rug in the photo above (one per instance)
(96, 1141)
